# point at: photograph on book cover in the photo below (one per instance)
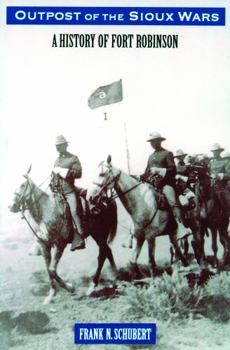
(115, 171)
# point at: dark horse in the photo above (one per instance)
(217, 220)
(54, 231)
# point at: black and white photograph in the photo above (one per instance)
(115, 173)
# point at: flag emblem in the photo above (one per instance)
(106, 95)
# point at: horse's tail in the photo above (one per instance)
(112, 217)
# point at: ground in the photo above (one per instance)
(25, 323)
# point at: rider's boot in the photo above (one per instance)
(182, 231)
(170, 195)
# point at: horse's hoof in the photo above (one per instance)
(47, 300)
(49, 297)
(70, 287)
(91, 289)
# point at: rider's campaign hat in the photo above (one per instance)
(155, 136)
(180, 153)
(60, 139)
(217, 147)
(201, 157)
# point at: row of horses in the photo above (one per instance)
(54, 232)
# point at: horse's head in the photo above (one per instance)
(22, 194)
(105, 180)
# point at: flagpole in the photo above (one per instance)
(127, 148)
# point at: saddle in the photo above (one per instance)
(161, 200)
(65, 222)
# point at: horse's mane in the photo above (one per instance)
(36, 209)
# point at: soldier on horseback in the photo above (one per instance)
(181, 166)
(220, 174)
(217, 165)
(161, 169)
(67, 168)
(226, 157)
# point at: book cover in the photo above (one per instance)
(113, 97)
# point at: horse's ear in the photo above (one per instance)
(109, 159)
(28, 171)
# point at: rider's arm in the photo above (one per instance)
(75, 172)
(170, 165)
(146, 174)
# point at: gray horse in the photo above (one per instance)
(53, 231)
(140, 201)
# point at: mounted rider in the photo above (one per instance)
(161, 166)
(226, 157)
(217, 164)
(181, 166)
(219, 172)
(67, 168)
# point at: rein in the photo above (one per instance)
(116, 195)
(23, 207)
(34, 232)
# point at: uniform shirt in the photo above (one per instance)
(162, 159)
(71, 162)
(217, 166)
(227, 166)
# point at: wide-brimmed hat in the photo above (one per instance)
(217, 147)
(155, 136)
(201, 157)
(60, 139)
(180, 153)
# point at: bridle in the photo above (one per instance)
(115, 179)
(22, 198)
(21, 204)
(104, 187)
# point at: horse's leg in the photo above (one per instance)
(46, 252)
(172, 254)
(186, 247)
(138, 243)
(197, 243)
(173, 239)
(214, 245)
(224, 239)
(55, 257)
(112, 263)
(203, 232)
(101, 259)
(151, 252)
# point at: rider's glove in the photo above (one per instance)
(60, 171)
(158, 171)
(220, 176)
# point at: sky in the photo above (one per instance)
(182, 93)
